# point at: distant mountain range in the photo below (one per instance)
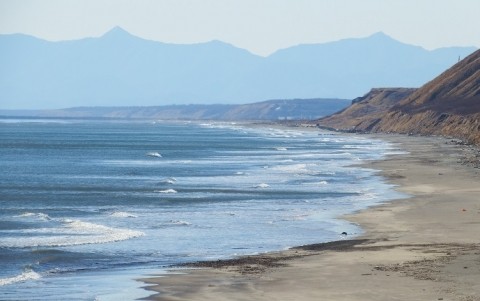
(293, 109)
(119, 69)
(449, 105)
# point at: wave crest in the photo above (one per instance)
(27, 275)
(262, 185)
(41, 216)
(71, 233)
(166, 191)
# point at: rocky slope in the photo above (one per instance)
(449, 105)
(365, 110)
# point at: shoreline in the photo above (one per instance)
(424, 247)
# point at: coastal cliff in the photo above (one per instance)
(366, 110)
(449, 105)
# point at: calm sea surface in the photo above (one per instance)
(88, 206)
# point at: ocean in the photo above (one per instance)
(89, 206)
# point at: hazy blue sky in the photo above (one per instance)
(261, 26)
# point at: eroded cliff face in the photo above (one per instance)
(449, 105)
(457, 89)
(465, 127)
(365, 111)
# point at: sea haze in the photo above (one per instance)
(85, 202)
(119, 69)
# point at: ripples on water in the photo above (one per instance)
(87, 200)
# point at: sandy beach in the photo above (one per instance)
(426, 247)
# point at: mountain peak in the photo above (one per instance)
(117, 31)
(380, 36)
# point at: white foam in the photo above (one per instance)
(168, 181)
(318, 183)
(123, 214)
(71, 233)
(262, 185)
(25, 276)
(368, 196)
(293, 168)
(154, 154)
(131, 162)
(281, 148)
(180, 223)
(41, 216)
(26, 214)
(168, 191)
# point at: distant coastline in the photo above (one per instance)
(271, 110)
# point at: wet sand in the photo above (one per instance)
(426, 247)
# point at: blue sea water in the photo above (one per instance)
(88, 206)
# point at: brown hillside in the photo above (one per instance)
(366, 109)
(449, 105)
(457, 90)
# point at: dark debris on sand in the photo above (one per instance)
(255, 264)
(341, 245)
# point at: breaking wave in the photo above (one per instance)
(262, 185)
(166, 191)
(40, 216)
(154, 154)
(168, 181)
(70, 233)
(25, 276)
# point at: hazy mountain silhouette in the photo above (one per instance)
(119, 69)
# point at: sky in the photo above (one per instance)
(260, 26)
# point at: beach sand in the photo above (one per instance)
(426, 247)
